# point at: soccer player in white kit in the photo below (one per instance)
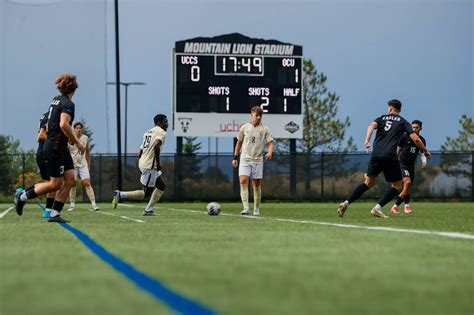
(149, 164)
(251, 139)
(82, 163)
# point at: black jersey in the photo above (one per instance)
(408, 150)
(390, 128)
(42, 125)
(57, 140)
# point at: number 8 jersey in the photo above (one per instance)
(390, 128)
(147, 159)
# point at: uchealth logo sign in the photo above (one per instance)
(230, 126)
(292, 127)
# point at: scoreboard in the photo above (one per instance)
(216, 81)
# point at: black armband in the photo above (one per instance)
(236, 157)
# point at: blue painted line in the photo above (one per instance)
(174, 300)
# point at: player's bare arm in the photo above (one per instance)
(269, 154)
(238, 146)
(156, 148)
(420, 144)
(42, 135)
(67, 129)
(370, 130)
(88, 155)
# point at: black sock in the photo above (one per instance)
(357, 193)
(49, 203)
(30, 193)
(388, 196)
(407, 199)
(58, 206)
(399, 201)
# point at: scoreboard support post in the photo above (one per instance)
(292, 168)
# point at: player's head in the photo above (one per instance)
(78, 128)
(257, 113)
(67, 84)
(161, 120)
(417, 125)
(394, 106)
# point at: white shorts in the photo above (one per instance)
(149, 177)
(82, 172)
(253, 170)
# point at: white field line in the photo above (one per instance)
(118, 216)
(4, 213)
(124, 205)
(350, 226)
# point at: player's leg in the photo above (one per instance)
(257, 176)
(373, 170)
(406, 198)
(244, 176)
(86, 182)
(393, 174)
(72, 193)
(118, 197)
(400, 198)
(157, 192)
(69, 181)
(42, 165)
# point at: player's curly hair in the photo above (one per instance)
(66, 83)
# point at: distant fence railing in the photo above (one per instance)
(313, 177)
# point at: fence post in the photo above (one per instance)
(23, 160)
(322, 176)
(100, 176)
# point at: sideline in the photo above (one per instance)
(350, 226)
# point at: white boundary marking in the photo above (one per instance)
(118, 216)
(4, 213)
(124, 205)
(351, 226)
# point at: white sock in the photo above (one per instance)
(346, 203)
(378, 207)
(154, 199)
(72, 196)
(54, 213)
(257, 196)
(136, 194)
(23, 196)
(90, 194)
(407, 205)
(244, 195)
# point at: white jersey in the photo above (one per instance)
(253, 138)
(78, 158)
(147, 159)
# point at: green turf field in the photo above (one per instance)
(284, 262)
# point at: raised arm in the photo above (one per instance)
(373, 125)
(414, 137)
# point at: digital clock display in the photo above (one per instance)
(230, 74)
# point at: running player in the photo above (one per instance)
(82, 164)
(407, 153)
(251, 139)
(390, 128)
(149, 164)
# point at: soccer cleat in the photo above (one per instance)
(256, 212)
(408, 210)
(245, 212)
(378, 213)
(19, 204)
(148, 213)
(46, 213)
(342, 209)
(394, 210)
(116, 200)
(57, 219)
(95, 208)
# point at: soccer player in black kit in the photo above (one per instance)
(390, 128)
(42, 161)
(407, 154)
(60, 166)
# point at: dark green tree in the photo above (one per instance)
(5, 164)
(191, 167)
(465, 140)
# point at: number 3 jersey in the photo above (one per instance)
(390, 128)
(408, 150)
(253, 138)
(147, 159)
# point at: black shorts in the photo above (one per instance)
(407, 171)
(42, 165)
(58, 162)
(389, 167)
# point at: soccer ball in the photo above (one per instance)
(213, 208)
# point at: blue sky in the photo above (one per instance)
(419, 51)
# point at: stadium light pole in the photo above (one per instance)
(126, 84)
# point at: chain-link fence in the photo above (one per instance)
(314, 177)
